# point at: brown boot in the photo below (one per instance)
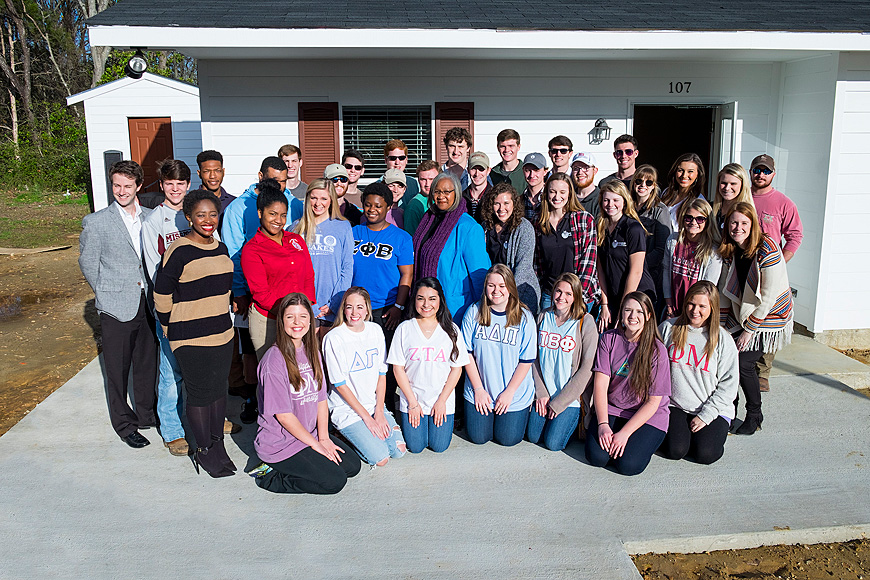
(178, 447)
(231, 428)
(764, 385)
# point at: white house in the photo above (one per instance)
(791, 79)
(146, 120)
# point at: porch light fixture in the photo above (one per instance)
(599, 133)
(136, 65)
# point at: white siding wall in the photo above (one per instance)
(845, 275)
(106, 119)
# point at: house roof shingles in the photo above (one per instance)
(689, 15)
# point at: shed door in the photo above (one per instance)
(150, 143)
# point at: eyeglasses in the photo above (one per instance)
(646, 182)
(698, 219)
(397, 157)
(561, 150)
(581, 169)
(350, 166)
(623, 153)
(339, 179)
(443, 192)
(760, 170)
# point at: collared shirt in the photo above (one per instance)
(473, 206)
(134, 229)
(533, 205)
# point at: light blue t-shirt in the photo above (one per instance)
(498, 350)
(376, 260)
(556, 346)
(332, 257)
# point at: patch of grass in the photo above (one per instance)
(34, 219)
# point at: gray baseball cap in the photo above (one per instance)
(536, 159)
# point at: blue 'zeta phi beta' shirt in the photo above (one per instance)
(376, 260)
(498, 350)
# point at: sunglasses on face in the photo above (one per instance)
(646, 182)
(397, 157)
(339, 179)
(760, 170)
(623, 153)
(560, 150)
(698, 219)
(350, 166)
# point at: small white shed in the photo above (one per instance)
(146, 120)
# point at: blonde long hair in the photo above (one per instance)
(339, 316)
(680, 333)
(729, 246)
(570, 207)
(514, 310)
(618, 187)
(306, 226)
(745, 195)
(709, 236)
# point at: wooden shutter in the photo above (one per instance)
(150, 143)
(318, 138)
(447, 116)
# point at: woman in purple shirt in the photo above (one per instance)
(631, 390)
(293, 441)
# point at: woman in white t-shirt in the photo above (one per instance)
(427, 361)
(354, 352)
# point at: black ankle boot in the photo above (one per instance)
(750, 425)
(210, 462)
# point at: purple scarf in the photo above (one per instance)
(428, 246)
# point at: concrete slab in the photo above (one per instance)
(77, 502)
(805, 356)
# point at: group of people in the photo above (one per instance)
(349, 318)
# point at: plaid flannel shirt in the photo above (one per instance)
(585, 239)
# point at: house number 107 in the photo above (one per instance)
(679, 87)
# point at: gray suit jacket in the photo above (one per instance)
(110, 263)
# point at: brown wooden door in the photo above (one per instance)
(318, 138)
(150, 143)
(447, 116)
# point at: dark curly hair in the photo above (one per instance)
(487, 214)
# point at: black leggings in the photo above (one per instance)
(638, 451)
(749, 381)
(310, 472)
(706, 446)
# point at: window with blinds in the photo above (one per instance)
(368, 129)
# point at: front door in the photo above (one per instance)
(150, 143)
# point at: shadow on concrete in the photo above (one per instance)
(824, 380)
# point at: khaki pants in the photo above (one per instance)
(764, 363)
(263, 331)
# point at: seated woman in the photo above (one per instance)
(275, 263)
(293, 427)
(704, 378)
(566, 241)
(622, 239)
(427, 362)
(510, 239)
(757, 307)
(691, 254)
(501, 336)
(449, 245)
(567, 341)
(686, 180)
(354, 353)
(632, 384)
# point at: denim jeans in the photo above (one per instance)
(169, 402)
(427, 434)
(506, 429)
(371, 449)
(556, 432)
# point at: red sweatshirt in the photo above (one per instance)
(274, 271)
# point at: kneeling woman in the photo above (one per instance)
(704, 378)
(500, 333)
(632, 384)
(427, 362)
(355, 353)
(567, 338)
(293, 427)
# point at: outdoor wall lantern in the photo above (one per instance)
(136, 65)
(599, 133)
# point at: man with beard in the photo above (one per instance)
(583, 171)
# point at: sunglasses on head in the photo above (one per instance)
(698, 219)
(760, 170)
(352, 166)
(561, 150)
(646, 182)
(339, 179)
(397, 157)
(623, 153)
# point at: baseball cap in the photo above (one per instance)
(763, 159)
(584, 157)
(478, 159)
(536, 159)
(334, 170)
(395, 176)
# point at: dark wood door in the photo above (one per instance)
(150, 143)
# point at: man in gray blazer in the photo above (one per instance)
(110, 258)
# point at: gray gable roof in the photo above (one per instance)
(701, 15)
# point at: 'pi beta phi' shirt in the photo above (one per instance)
(498, 349)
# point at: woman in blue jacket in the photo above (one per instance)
(450, 245)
